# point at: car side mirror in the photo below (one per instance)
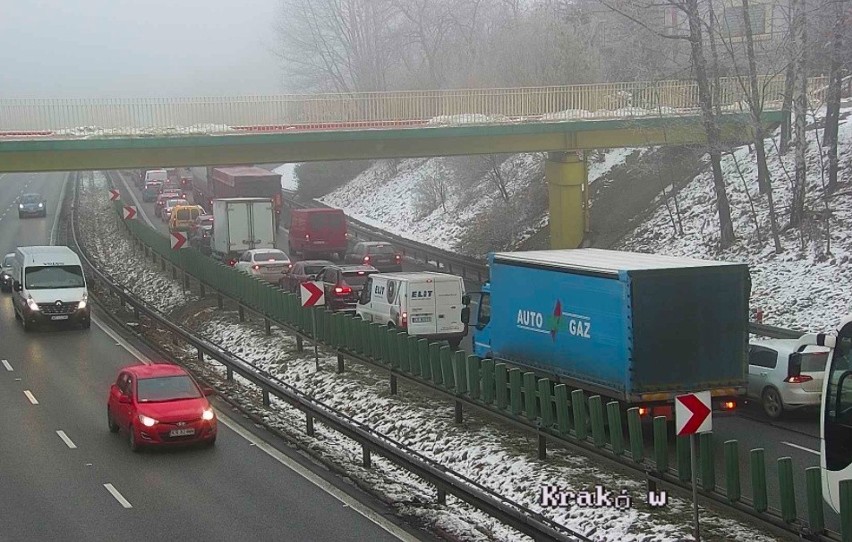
(465, 315)
(19, 287)
(208, 391)
(124, 399)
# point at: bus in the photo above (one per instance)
(835, 410)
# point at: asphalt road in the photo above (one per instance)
(796, 437)
(66, 477)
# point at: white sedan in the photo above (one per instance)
(265, 263)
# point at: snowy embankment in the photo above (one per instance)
(494, 454)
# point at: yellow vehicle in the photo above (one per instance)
(183, 217)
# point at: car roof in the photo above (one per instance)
(326, 263)
(31, 194)
(785, 346)
(377, 243)
(355, 268)
(155, 370)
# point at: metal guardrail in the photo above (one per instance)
(445, 480)
(469, 268)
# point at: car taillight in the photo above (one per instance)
(232, 263)
(398, 257)
(366, 259)
(404, 323)
(643, 411)
(342, 290)
(307, 237)
(255, 267)
(798, 379)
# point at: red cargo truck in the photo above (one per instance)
(237, 182)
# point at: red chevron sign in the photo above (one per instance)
(312, 294)
(178, 240)
(114, 195)
(129, 212)
(693, 413)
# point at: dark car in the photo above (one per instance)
(6, 272)
(301, 272)
(200, 233)
(343, 285)
(382, 256)
(151, 191)
(32, 205)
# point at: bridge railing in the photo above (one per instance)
(210, 115)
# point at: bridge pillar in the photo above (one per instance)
(565, 173)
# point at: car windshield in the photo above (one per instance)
(54, 276)
(7, 261)
(814, 362)
(314, 269)
(176, 202)
(271, 255)
(166, 388)
(381, 249)
(355, 278)
(206, 221)
(326, 220)
(30, 198)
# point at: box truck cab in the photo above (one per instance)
(48, 286)
(315, 232)
(424, 304)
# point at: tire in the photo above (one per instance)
(27, 326)
(772, 404)
(87, 324)
(454, 344)
(209, 444)
(134, 445)
(113, 427)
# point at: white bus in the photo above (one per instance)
(836, 410)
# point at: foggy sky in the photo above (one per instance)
(137, 48)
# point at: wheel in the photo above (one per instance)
(454, 344)
(113, 427)
(209, 444)
(87, 324)
(134, 445)
(773, 406)
(27, 326)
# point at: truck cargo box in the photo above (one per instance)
(637, 327)
(242, 224)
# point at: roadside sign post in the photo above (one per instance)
(313, 295)
(693, 415)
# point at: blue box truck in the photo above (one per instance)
(636, 328)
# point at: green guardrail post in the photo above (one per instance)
(787, 489)
(474, 376)
(413, 356)
(597, 418)
(501, 381)
(460, 371)
(616, 432)
(758, 479)
(487, 386)
(708, 467)
(515, 387)
(661, 445)
(732, 470)
(684, 465)
(578, 405)
(563, 409)
(529, 393)
(391, 344)
(435, 363)
(447, 367)
(545, 401)
(425, 362)
(846, 510)
(634, 432)
(813, 485)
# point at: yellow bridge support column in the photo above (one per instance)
(565, 173)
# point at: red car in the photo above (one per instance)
(160, 405)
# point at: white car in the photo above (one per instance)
(265, 263)
(782, 379)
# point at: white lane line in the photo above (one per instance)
(31, 397)
(118, 496)
(127, 346)
(65, 439)
(6, 365)
(58, 208)
(345, 498)
(800, 447)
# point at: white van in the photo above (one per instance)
(48, 286)
(424, 304)
(156, 175)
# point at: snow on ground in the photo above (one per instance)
(798, 288)
(491, 453)
(289, 180)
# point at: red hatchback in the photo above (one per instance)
(160, 405)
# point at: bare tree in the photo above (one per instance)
(497, 178)
(431, 192)
(800, 88)
(835, 77)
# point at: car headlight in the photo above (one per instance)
(20, 206)
(32, 304)
(40, 205)
(146, 421)
(83, 301)
(207, 414)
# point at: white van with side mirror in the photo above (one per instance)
(48, 286)
(424, 304)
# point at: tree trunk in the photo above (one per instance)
(832, 113)
(789, 76)
(726, 226)
(717, 83)
(797, 207)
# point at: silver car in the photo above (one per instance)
(783, 379)
(32, 205)
(6, 272)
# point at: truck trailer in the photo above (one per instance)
(241, 224)
(236, 182)
(637, 328)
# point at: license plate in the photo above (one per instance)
(420, 319)
(319, 242)
(61, 317)
(181, 432)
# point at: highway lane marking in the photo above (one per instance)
(65, 439)
(6, 365)
(118, 496)
(343, 497)
(800, 447)
(31, 397)
(127, 346)
(58, 208)
(139, 207)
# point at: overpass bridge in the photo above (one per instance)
(84, 134)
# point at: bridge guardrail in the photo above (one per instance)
(547, 409)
